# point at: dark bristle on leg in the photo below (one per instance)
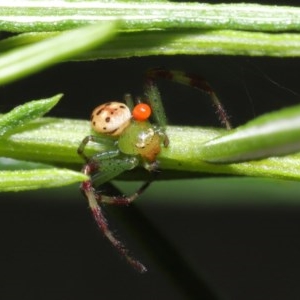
(92, 197)
(193, 81)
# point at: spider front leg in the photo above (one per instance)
(100, 171)
(108, 143)
(158, 112)
(191, 80)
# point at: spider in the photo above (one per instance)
(132, 141)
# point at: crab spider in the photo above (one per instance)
(132, 141)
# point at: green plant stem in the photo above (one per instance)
(55, 141)
(61, 15)
(159, 28)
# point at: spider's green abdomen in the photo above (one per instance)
(140, 138)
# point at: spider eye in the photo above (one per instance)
(141, 112)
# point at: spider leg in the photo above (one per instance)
(158, 112)
(96, 139)
(109, 169)
(102, 223)
(153, 97)
(129, 101)
(190, 80)
(124, 200)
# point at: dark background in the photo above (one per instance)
(241, 236)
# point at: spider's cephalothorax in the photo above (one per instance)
(131, 140)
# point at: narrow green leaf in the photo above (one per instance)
(24, 39)
(22, 180)
(29, 59)
(25, 113)
(275, 133)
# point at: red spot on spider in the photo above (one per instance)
(141, 112)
